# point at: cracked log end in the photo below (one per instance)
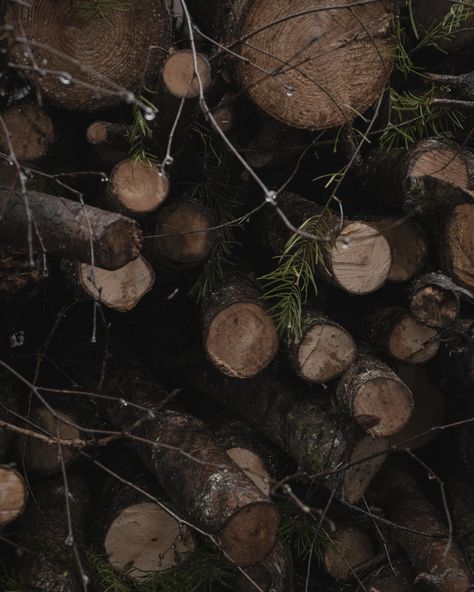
(413, 342)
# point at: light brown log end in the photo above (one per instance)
(358, 476)
(31, 132)
(13, 494)
(241, 340)
(179, 74)
(457, 252)
(413, 342)
(348, 548)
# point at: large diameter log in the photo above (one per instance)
(31, 132)
(239, 336)
(72, 43)
(202, 480)
(435, 300)
(275, 574)
(297, 60)
(356, 258)
(324, 351)
(120, 289)
(437, 565)
(348, 547)
(137, 188)
(456, 245)
(378, 400)
(49, 563)
(408, 244)
(396, 332)
(68, 229)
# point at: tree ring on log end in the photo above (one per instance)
(360, 259)
(13, 495)
(179, 74)
(249, 534)
(459, 245)
(252, 466)
(413, 342)
(145, 539)
(358, 476)
(242, 340)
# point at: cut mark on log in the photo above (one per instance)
(144, 539)
(179, 74)
(361, 259)
(442, 164)
(242, 340)
(252, 466)
(31, 132)
(349, 547)
(413, 342)
(358, 477)
(13, 495)
(326, 351)
(121, 289)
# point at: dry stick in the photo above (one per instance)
(68, 228)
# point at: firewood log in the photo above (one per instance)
(460, 489)
(457, 353)
(435, 300)
(348, 547)
(386, 580)
(275, 574)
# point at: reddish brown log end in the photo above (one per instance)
(31, 132)
(179, 74)
(413, 342)
(13, 494)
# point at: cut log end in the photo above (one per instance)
(145, 539)
(97, 132)
(458, 251)
(413, 342)
(121, 289)
(31, 132)
(358, 477)
(389, 402)
(360, 259)
(242, 340)
(434, 306)
(138, 188)
(349, 547)
(249, 534)
(252, 466)
(179, 74)
(325, 352)
(13, 494)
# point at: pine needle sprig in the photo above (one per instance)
(141, 131)
(288, 286)
(300, 531)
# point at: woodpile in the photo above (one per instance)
(237, 295)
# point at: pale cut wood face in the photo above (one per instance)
(13, 494)
(139, 187)
(179, 74)
(442, 164)
(412, 342)
(358, 477)
(252, 466)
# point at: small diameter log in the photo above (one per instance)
(396, 332)
(348, 547)
(82, 73)
(31, 132)
(438, 566)
(239, 336)
(49, 564)
(312, 82)
(179, 74)
(194, 472)
(42, 458)
(428, 411)
(18, 279)
(385, 580)
(378, 400)
(137, 188)
(13, 494)
(356, 259)
(182, 233)
(68, 229)
(324, 351)
(121, 289)
(107, 134)
(435, 300)
(141, 538)
(456, 245)
(275, 574)
(457, 352)
(408, 244)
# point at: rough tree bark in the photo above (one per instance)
(305, 65)
(72, 44)
(435, 300)
(275, 574)
(64, 227)
(239, 336)
(385, 580)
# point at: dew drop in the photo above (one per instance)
(168, 161)
(104, 179)
(161, 555)
(69, 541)
(149, 113)
(173, 546)
(129, 97)
(289, 91)
(65, 78)
(123, 403)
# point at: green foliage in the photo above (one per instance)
(300, 530)
(104, 9)
(219, 194)
(141, 131)
(288, 286)
(199, 573)
(446, 27)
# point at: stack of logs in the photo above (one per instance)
(142, 438)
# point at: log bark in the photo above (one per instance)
(73, 45)
(408, 243)
(461, 494)
(375, 397)
(121, 289)
(394, 331)
(49, 565)
(137, 188)
(435, 300)
(64, 227)
(456, 245)
(437, 566)
(31, 132)
(356, 259)
(194, 472)
(18, 278)
(275, 574)
(457, 353)
(324, 351)
(385, 580)
(239, 336)
(348, 548)
(307, 67)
